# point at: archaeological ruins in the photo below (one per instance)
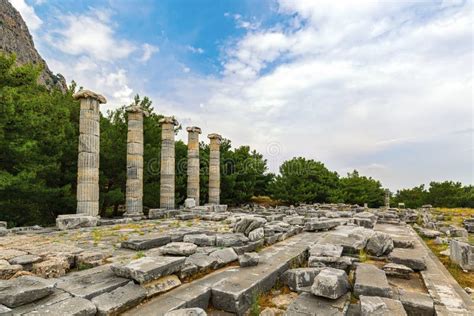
(192, 259)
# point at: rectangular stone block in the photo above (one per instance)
(88, 208)
(88, 175)
(135, 149)
(89, 143)
(149, 268)
(92, 282)
(146, 243)
(88, 160)
(135, 161)
(88, 126)
(88, 114)
(119, 300)
(87, 192)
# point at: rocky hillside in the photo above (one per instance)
(15, 38)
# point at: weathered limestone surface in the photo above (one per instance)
(307, 304)
(88, 161)
(300, 278)
(69, 306)
(462, 253)
(167, 180)
(330, 283)
(193, 163)
(371, 281)
(134, 187)
(119, 300)
(214, 169)
(380, 306)
(148, 268)
(23, 290)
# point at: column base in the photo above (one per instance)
(134, 216)
(74, 221)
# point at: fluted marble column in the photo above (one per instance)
(88, 159)
(193, 163)
(134, 189)
(387, 198)
(167, 181)
(214, 169)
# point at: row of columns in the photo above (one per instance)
(88, 160)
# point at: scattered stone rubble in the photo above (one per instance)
(224, 257)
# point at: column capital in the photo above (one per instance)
(84, 94)
(193, 129)
(137, 109)
(214, 136)
(169, 120)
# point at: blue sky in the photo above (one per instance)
(384, 87)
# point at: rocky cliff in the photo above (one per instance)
(15, 38)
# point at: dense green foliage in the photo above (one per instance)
(309, 181)
(439, 194)
(38, 154)
(306, 181)
(38, 162)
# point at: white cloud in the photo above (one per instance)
(355, 86)
(28, 14)
(148, 51)
(90, 34)
(195, 50)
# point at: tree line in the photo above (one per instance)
(38, 161)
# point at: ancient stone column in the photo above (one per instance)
(387, 198)
(193, 163)
(167, 181)
(88, 160)
(134, 189)
(214, 169)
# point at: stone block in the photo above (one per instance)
(249, 259)
(74, 221)
(119, 300)
(200, 239)
(380, 306)
(330, 283)
(3, 224)
(149, 268)
(224, 256)
(161, 285)
(307, 304)
(71, 306)
(299, 278)
(189, 203)
(397, 270)
(178, 249)
(320, 225)
(408, 257)
(371, 281)
(146, 242)
(250, 247)
(417, 304)
(326, 250)
(24, 290)
(91, 282)
(231, 240)
(202, 261)
(379, 244)
(462, 253)
(256, 234)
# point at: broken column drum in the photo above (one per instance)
(88, 158)
(167, 180)
(134, 188)
(214, 168)
(193, 163)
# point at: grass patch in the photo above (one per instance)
(139, 254)
(363, 256)
(465, 279)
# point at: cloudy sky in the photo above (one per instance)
(384, 87)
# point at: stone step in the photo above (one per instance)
(232, 288)
(91, 283)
